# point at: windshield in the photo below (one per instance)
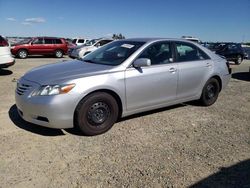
(113, 53)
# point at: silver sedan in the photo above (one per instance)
(120, 79)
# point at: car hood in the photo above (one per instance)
(64, 71)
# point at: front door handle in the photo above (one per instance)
(208, 65)
(172, 70)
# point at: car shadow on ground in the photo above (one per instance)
(19, 122)
(77, 131)
(245, 76)
(4, 72)
(43, 57)
(237, 175)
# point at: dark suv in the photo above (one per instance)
(40, 46)
(231, 51)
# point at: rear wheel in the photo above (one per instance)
(96, 113)
(238, 60)
(210, 92)
(59, 53)
(22, 54)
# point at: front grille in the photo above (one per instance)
(22, 88)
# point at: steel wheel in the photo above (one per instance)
(96, 113)
(210, 92)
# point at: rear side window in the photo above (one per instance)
(189, 52)
(81, 41)
(57, 41)
(74, 41)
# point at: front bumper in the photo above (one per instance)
(49, 111)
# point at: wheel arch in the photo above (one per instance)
(23, 49)
(59, 50)
(112, 93)
(219, 80)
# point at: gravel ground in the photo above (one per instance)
(180, 146)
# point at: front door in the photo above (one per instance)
(153, 85)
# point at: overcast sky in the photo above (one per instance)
(209, 20)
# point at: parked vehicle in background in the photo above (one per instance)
(81, 51)
(79, 41)
(231, 51)
(247, 52)
(6, 58)
(190, 38)
(120, 79)
(40, 46)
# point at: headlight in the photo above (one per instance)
(54, 90)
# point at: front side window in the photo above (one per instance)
(189, 52)
(38, 41)
(48, 41)
(114, 53)
(159, 53)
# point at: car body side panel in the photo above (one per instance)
(192, 77)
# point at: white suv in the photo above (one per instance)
(79, 41)
(6, 58)
(88, 47)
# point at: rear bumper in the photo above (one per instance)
(225, 80)
(6, 65)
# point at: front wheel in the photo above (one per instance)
(210, 92)
(96, 113)
(22, 54)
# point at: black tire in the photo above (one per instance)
(22, 54)
(210, 92)
(59, 53)
(96, 113)
(238, 60)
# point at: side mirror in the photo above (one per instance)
(142, 62)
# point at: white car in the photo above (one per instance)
(90, 46)
(6, 58)
(80, 41)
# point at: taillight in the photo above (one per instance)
(4, 43)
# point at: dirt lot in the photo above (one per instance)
(181, 146)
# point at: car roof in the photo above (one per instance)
(48, 37)
(146, 40)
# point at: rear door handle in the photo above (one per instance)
(172, 70)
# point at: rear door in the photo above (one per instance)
(49, 46)
(194, 67)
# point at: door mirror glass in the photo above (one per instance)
(142, 62)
